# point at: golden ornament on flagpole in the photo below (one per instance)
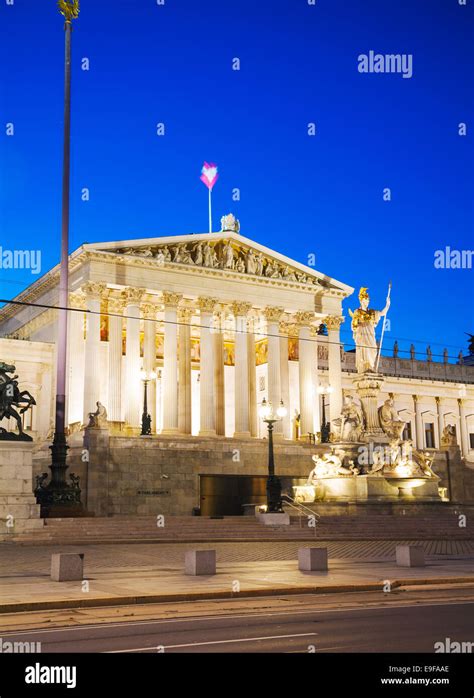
(70, 10)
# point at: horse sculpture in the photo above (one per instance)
(11, 397)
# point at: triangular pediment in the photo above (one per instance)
(227, 251)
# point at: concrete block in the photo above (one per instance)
(274, 519)
(311, 559)
(67, 567)
(410, 556)
(200, 562)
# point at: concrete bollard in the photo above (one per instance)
(200, 562)
(67, 567)
(311, 559)
(410, 556)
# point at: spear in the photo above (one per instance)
(383, 329)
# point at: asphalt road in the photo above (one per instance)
(366, 624)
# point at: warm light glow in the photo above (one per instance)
(281, 411)
(403, 470)
(329, 389)
(147, 375)
(266, 409)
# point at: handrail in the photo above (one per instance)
(301, 509)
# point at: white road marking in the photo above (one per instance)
(212, 642)
(111, 624)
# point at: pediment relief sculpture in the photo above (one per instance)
(227, 255)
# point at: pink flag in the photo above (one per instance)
(209, 174)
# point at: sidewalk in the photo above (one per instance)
(28, 587)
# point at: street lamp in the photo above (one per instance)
(324, 390)
(58, 498)
(146, 376)
(273, 482)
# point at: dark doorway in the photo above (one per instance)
(225, 495)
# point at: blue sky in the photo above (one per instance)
(300, 195)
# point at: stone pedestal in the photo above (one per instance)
(19, 512)
(311, 559)
(94, 490)
(410, 556)
(368, 386)
(456, 470)
(67, 567)
(197, 562)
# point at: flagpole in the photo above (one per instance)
(383, 329)
(210, 211)
(58, 498)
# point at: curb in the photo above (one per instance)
(205, 596)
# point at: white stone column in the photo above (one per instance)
(241, 393)
(93, 292)
(273, 316)
(206, 368)
(306, 373)
(252, 378)
(75, 360)
(219, 372)
(149, 311)
(114, 407)
(133, 384)
(184, 370)
(285, 378)
(316, 395)
(439, 415)
(333, 324)
(464, 438)
(419, 435)
(170, 363)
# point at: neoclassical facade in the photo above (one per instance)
(218, 322)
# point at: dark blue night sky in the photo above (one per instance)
(300, 195)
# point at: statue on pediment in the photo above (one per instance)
(272, 271)
(227, 256)
(229, 223)
(186, 255)
(160, 257)
(250, 262)
(240, 265)
(289, 274)
(198, 255)
(144, 252)
(259, 263)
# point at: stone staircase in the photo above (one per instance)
(121, 529)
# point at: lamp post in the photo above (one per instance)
(273, 482)
(146, 377)
(324, 390)
(58, 498)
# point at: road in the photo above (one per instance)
(409, 620)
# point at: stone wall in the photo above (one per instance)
(160, 474)
(18, 509)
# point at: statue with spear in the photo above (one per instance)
(364, 323)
